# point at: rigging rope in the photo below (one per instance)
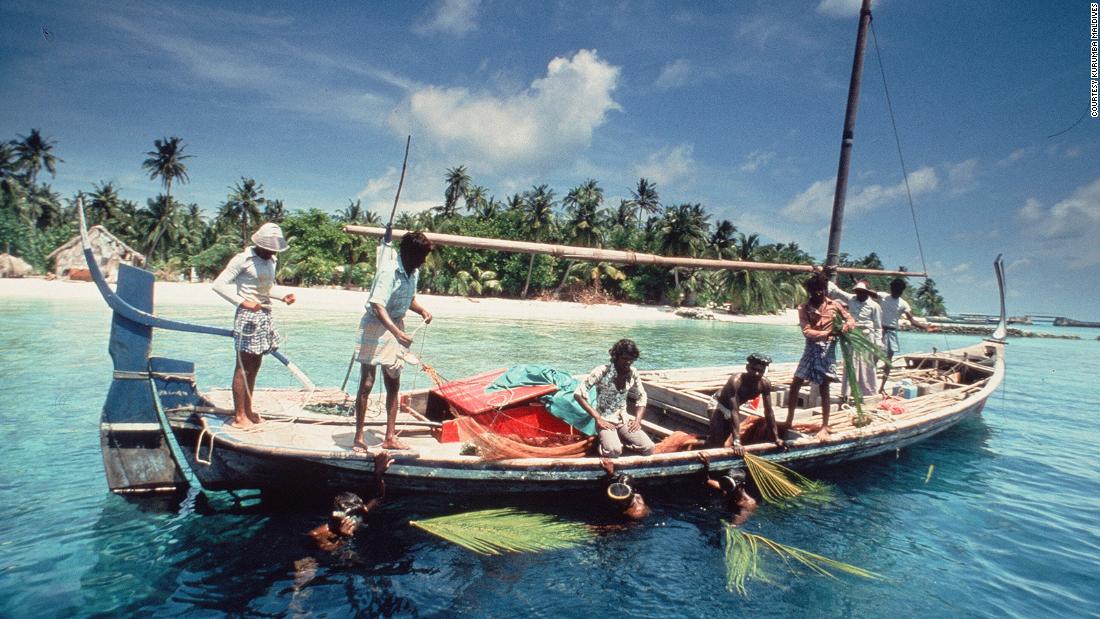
(901, 158)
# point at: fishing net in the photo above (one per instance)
(506, 433)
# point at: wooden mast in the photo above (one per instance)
(832, 257)
(608, 255)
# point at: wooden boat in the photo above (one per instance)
(156, 419)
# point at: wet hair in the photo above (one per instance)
(897, 286)
(816, 282)
(760, 359)
(625, 347)
(347, 502)
(415, 247)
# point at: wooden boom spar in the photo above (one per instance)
(593, 254)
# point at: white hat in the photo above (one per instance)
(270, 237)
(860, 285)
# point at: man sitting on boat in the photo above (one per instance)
(894, 308)
(382, 337)
(866, 312)
(615, 383)
(818, 363)
(248, 282)
(741, 388)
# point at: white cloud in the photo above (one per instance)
(547, 121)
(454, 17)
(960, 176)
(756, 160)
(673, 75)
(840, 8)
(1068, 229)
(668, 166)
(816, 202)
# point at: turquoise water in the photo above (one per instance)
(1005, 526)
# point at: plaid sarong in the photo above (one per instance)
(254, 332)
(818, 362)
(377, 346)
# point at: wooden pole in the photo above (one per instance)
(832, 256)
(592, 254)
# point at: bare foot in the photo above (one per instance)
(393, 443)
(255, 418)
(360, 447)
(823, 433)
(242, 423)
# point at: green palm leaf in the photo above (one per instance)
(855, 343)
(779, 485)
(496, 531)
(742, 554)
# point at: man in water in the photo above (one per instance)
(248, 282)
(893, 309)
(731, 487)
(622, 494)
(382, 337)
(868, 316)
(348, 510)
(818, 363)
(741, 388)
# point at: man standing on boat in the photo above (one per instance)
(248, 282)
(741, 388)
(868, 316)
(382, 337)
(615, 383)
(818, 363)
(894, 308)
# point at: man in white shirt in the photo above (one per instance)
(894, 308)
(248, 282)
(868, 316)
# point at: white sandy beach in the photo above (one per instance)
(351, 301)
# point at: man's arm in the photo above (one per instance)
(226, 284)
(637, 392)
(735, 415)
(420, 309)
(581, 396)
(382, 462)
(384, 317)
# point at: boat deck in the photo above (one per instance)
(320, 422)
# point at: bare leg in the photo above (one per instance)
(366, 384)
(393, 390)
(244, 381)
(792, 400)
(823, 390)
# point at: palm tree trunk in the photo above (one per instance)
(564, 276)
(530, 268)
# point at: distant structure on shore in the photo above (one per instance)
(109, 251)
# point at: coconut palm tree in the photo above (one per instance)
(928, 299)
(243, 205)
(752, 292)
(583, 203)
(352, 213)
(33, 153)
(476, 197)
(682, 231)
(646, 199)
(458, 184)
(274, 211)
(538, 219)
(160, 218)
(721, 241)
(166, 163)
(103, 203)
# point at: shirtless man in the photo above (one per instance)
(731, 486)
(348, 510)
(725, 416)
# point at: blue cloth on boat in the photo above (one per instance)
(561, 404)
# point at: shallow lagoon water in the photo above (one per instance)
(1005, 526)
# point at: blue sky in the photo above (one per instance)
(736, 105)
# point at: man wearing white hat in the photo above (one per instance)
(248, 282)
(868, 316)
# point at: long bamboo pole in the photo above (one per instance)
(593, 254)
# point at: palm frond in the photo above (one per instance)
(779, 485)
(856, 343)
(742, 554)
(496, 531)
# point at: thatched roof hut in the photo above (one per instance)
(12, 266)
(68, 260)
